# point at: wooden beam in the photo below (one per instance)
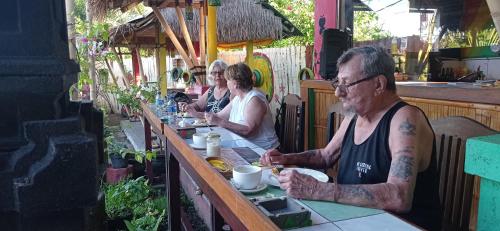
(172, 37)
(187, 37)
(169, 4)
(113, 77)
(122, 68)
(202, 36)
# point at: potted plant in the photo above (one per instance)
(123, 198)
(119, 168)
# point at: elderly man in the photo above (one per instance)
(385, 148)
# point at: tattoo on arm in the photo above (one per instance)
(403, 166)
(310, 155)
(407, 128)
(355, 192)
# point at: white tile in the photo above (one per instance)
(380, 222)
(321, 227)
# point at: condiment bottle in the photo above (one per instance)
(213, 145)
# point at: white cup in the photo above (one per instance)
(247, 176)
(200, 140)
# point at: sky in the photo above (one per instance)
(396, 18)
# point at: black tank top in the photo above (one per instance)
(216, 105)
(370, 161)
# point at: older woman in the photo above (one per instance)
(216, 97)
(248, 114)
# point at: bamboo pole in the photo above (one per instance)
(212, 33)
(122, 68)
(173, 38)
(113, 77)
(202, 36)
(187, 37)
(163, 65)
(249, 51)
(141, 70)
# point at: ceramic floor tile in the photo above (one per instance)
(381, 222)
(321, 227)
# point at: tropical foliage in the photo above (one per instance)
(301, 14)
(469, 38)
(368, 27)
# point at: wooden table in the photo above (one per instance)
(234, 208)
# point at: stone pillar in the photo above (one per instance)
(48, 148)
(482, 158)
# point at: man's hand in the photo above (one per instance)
(300, 186)
(272, 157)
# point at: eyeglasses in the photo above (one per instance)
(345, 87)
(215, 73)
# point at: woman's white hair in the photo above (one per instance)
(217, 63)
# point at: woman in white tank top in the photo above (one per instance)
(248, 114)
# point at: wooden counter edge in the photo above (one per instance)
(249, 215)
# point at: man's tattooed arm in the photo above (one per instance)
(408, 128)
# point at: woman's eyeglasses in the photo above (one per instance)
(345, 87)
(215, 73)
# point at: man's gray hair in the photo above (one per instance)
(375, 60)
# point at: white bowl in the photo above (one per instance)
(200, 140)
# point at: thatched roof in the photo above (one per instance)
(139, 31)
(237, 21)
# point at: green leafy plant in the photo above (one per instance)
(139, 156)
(149, 94)
(148, 215)
(123, 197)
(128, 98)
(469, 38)
(368, 27)
(301, 14)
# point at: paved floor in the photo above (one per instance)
(135, 133)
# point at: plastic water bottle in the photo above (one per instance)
(159, 102)
(171, 109)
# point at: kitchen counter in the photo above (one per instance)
(454, 91)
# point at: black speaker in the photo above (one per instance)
(335, 42)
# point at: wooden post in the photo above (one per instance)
(141, 70)
(163, 65)
(187, 37)
(172, 37)
(249, 50)
(202, 36)
(212, 34)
